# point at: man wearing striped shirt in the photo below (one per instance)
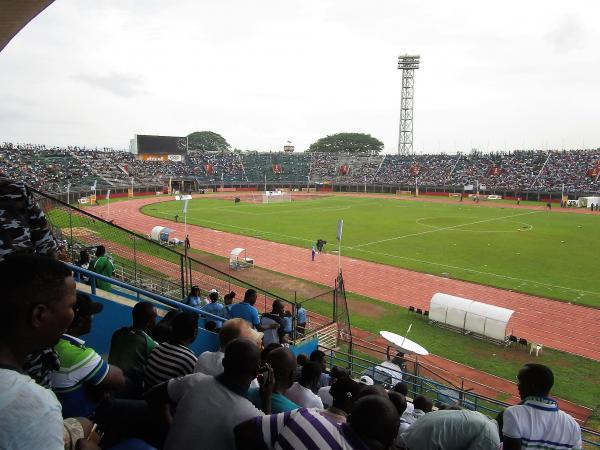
(173, 359)
(82, 371)
(372, 425)
(537, 423)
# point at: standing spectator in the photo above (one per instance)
(131, 346)
(37, 300)
(83, 376)
(214, 307)
(193, 299)
(23, 226)
(313, 253)
(273, 335)
(209, 407)
(248, 312)
(103, 266)
(173, 359)
(84, 259)
(537, 419)
(302, 392)
(283, 362)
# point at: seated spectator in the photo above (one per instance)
(324, 392)
(301, 360)
(103, 266)
(283, 363)
(537, 419)
(83, 376)
(193, 299)
(421, 406)
(320, 358)
(210, 363)
(211, 294)
(399, 401)
(402, 388)
(37, 299)
(343, 393)
(163, 331)
(131, 346)
(373, 424)
(173, 359)
(275, 317)
(214, 307)
(209, 407)
(452, 430)
(302, 392)
(227, 303)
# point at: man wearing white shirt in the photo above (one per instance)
(301, 391)
(537, 422)
(208, 408)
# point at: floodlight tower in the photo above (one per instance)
(408, 64)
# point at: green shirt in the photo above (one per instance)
(129, 350)
(279, 402)
(104, 266)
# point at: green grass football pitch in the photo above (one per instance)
(544, 253)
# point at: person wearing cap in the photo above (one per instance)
(324, 392)
(214, 307)
(82, 370)
(343, 392)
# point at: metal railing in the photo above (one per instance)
(443, 393)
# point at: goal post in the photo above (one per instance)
(276, 197)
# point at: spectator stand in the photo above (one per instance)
(164, 271)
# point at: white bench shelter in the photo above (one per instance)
(470, 316)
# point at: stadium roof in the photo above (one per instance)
(15, 14)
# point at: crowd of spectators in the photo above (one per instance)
(154, 392)
(53, 168)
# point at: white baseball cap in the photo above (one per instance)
(366, 380)
(213, 291)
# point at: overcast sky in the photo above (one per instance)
(495, 76)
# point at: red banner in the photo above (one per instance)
(495, 171)
(593, 172)
(208, 168)
(415, 169)
(344, 169)
(277, 168)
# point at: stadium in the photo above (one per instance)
(433, 278)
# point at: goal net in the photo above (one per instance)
(276, 197)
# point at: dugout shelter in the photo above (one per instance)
(481, 320)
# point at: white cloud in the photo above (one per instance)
(260, 73)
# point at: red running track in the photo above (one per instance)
(570, 328)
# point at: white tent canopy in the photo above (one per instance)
(471, 316)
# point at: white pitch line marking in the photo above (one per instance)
(443, 229)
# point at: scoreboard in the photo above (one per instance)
(159, 148)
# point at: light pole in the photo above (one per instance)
(408, 64)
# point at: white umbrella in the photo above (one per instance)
(403, 344)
